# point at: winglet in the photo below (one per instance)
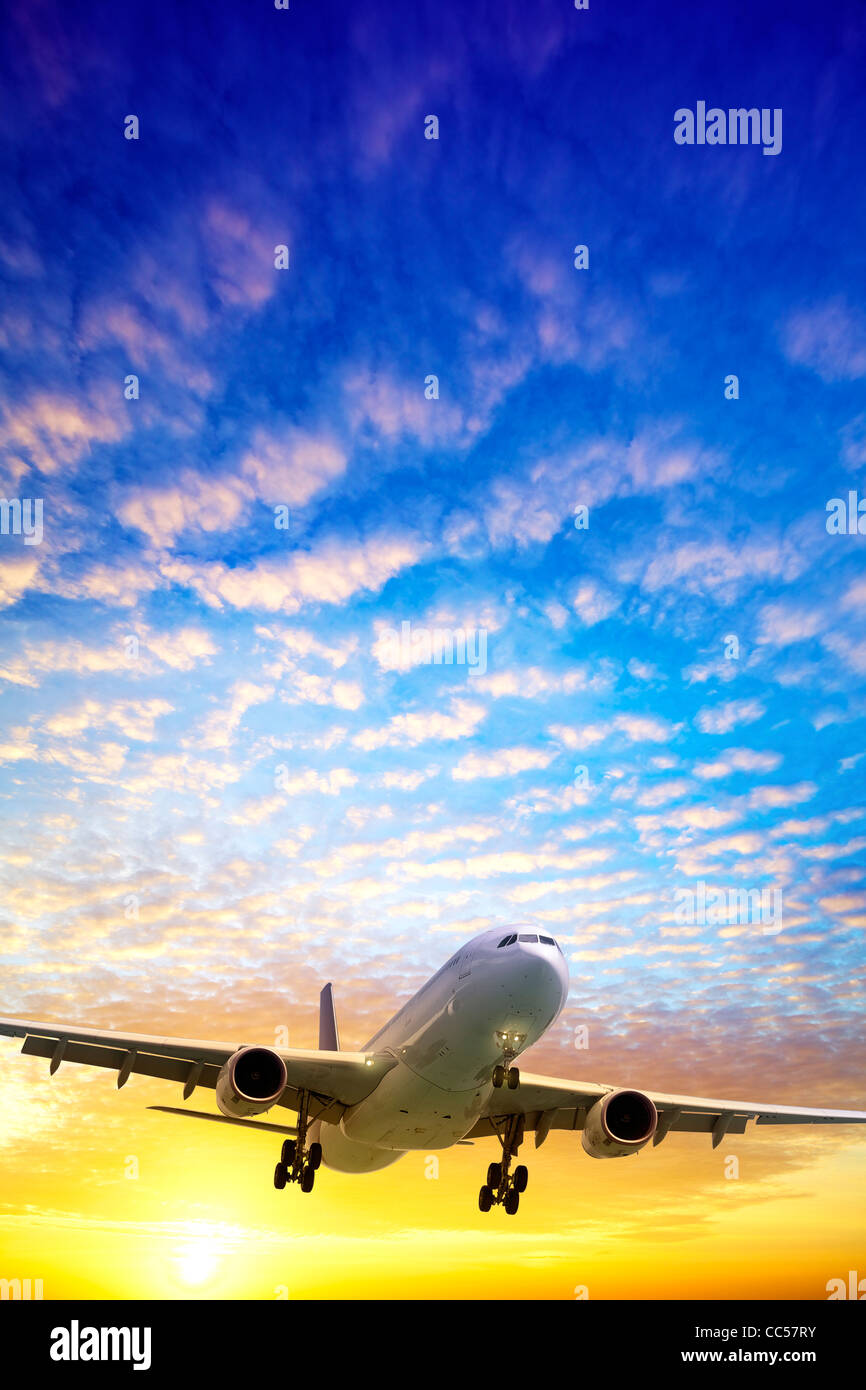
(329, 1039)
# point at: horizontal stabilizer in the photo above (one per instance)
(227, 1120)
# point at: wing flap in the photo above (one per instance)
(548, 1102)
(152, 1044)
(705, 1122)
(336, 1079)
(113, 1058)
(839, 1117)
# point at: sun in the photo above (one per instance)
(198, 1262)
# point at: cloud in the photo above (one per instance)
(829, 339)
(332, 573)
(99, 764)
(738, 760)
(22, 747)
(438, 636)
(688, 818)
(307, 687)
(742, 843)
(503, 762)
(219, 728)
(332, 783)
(197, 501)
(113, 321)
(556, 613)
(135, 719)
(286, 468)
(644, 670)
(399, 846)
(637, 728)
(763, 798)
(291, 467)
(592, 603)
(17, 575)
(300, 643)
(579, 736)
(661, 792)
(849, 651)
(241, 254)
(51, 431)
(533, 509)
(715, 567)
(720, 719)
(780, 624)
(530, 682)
(183, 772)
(407, 781)
(408, 730)
(495, 864)
(398, 411)
(645, 728)
(359, 816)
(591, 883)
(180, 650)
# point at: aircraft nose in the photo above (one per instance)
(544, 969)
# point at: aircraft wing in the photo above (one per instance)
(549, 1103)
(336, 1079)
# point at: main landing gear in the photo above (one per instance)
(298, 1161)
(503, 1186)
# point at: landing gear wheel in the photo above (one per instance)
(498, 1075)
(308, 1177)
(512, 1201)
(287, 1154)
(521, 1177)
(494, 1175)
(280, 1176)
(315, 1156)
(485, 1199)
(513, 1078)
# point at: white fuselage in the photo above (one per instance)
(446, 1041)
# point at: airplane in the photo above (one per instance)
(441, 1072)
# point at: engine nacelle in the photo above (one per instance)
(250, 1082)
(619, 1124)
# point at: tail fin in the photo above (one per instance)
(329, 1038)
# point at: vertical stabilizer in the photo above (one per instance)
(329, 1038)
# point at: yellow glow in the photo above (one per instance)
(137, 1204)
(198, 1262)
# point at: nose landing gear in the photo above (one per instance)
(504, 1074)
(502, 1186)
(298, 1161)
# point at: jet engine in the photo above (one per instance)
(250, 1082)
(619, 1124)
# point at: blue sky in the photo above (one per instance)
(253, 790)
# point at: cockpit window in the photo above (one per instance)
(528, 936)
(547, 941)
(507, 941)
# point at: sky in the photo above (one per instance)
(302, 387)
